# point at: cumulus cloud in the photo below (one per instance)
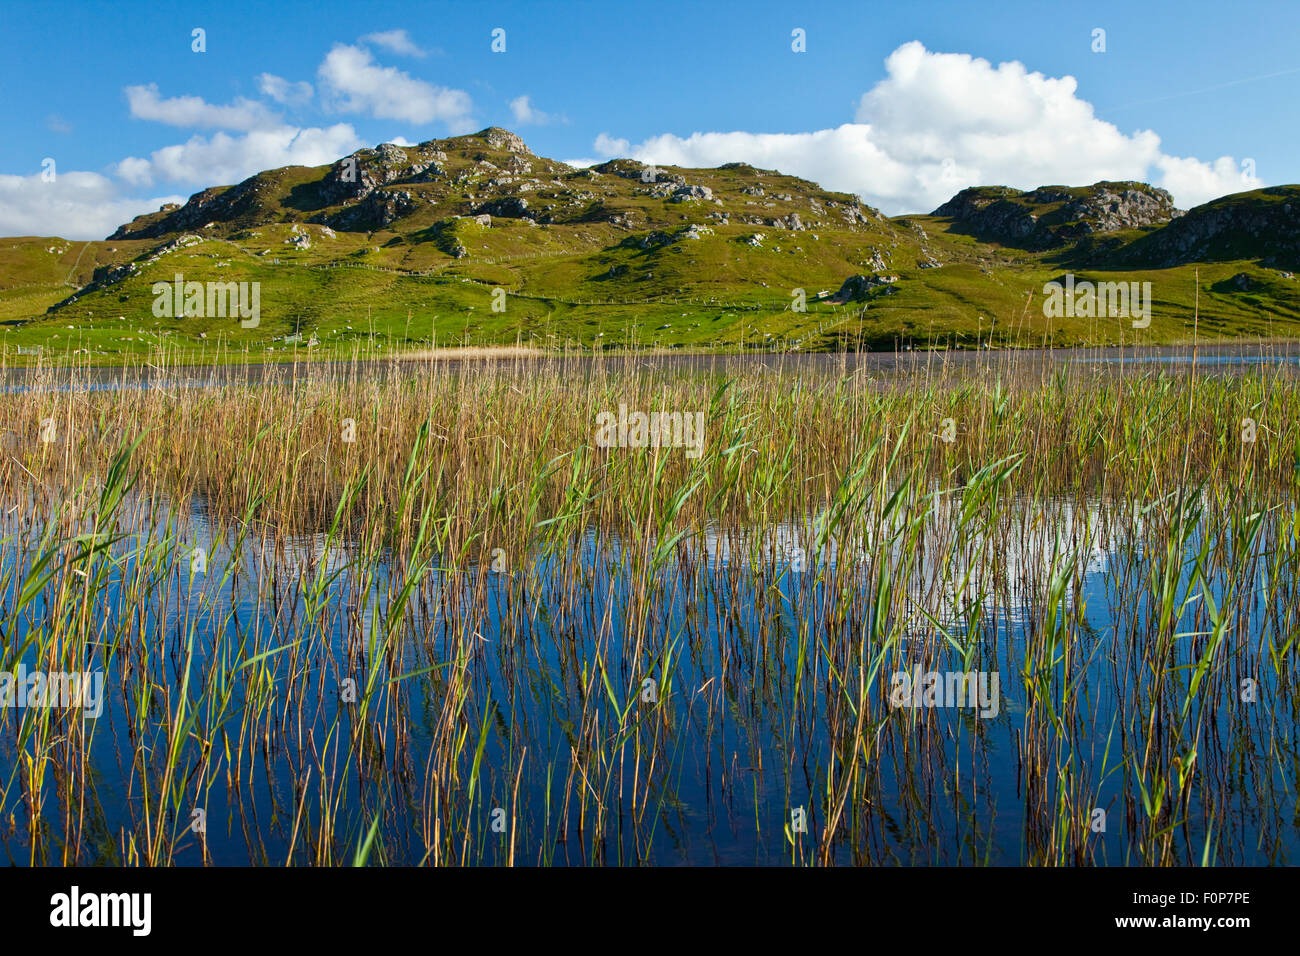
(939, 122)
(607, 145)
(1201, 182)
(394, 41)
(284, 91)
(77, 205)
(527, 115)
(243, 114)
(356, 84)
(134, 170)
(221, 158)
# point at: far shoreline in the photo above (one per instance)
(185, 359)
(139, 370)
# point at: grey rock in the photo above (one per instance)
(1004, 214)
(499, 138)
(1267, 229)
(688, 193)
(859, 287)
(379, 208)
(507, 207)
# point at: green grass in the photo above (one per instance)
(594, 271)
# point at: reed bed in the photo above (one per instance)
(421, 617)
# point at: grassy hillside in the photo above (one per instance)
(403, 247)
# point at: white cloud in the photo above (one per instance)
(243, 114)
(609, 148)
(224, 159)
(526, 115)
(395, 41)
(1194, 182)
(358, 85)
(77, 205)
(843, 158)
(939, 122)
(136, 171)
(284, 91)
(607, 145)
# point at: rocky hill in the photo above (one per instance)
(476, 239)
(494, 173)
(1263, 224)
(1051, 217)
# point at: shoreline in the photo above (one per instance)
(1172, 358)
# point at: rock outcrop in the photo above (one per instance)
(378, 209)
(688, 193)
(1053, 216)
(103, 277)
(499, 138)
(507, 207)
(859, 287)
(218, 204)
(1263, 224)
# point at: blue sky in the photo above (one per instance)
(903, 103)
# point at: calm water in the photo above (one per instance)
(1104, 361)
(751, 713)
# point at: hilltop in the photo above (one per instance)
(1051, 217)
(1263, 224)
(400, 247)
